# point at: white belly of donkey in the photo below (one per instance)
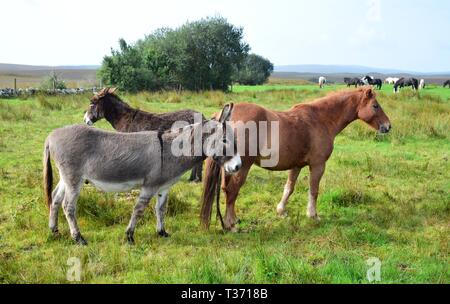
(117, 187)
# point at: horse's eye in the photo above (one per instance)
(376, 106)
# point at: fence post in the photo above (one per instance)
(15, 86)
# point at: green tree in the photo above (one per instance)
(255, 70)
(125, 69)
(201, 55)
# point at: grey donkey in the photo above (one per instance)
(119, 162)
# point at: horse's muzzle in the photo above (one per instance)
(385, 128)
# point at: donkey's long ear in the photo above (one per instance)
(226, 113)
(112, 90)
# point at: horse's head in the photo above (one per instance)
(370, 111)
(97, 106)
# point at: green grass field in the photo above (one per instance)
(384, 197)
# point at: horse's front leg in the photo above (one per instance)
(288, 190)
(231, 186)
(316, 173)
(160, 210)
(144, 199)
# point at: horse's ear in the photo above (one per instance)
(369, 93)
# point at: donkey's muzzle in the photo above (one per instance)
(233, 165)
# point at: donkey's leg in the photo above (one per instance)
(288, 190)
(160, 210)
(231, 186)
(196, 173)
(316, 173)
(57, 199)
(144, 199)
(70, 210)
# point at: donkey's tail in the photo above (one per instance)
(211, 188)
(48, 175)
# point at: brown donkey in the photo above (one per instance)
(306, 137)
(123, 118)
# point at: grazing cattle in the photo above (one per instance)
(403, 82)
(322, 82)
(447, 83)
(305, 135)
(422, 84)
(353, 81)
(119, 162)
(123, 118)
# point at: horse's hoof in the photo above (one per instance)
(281, 212)
(232, 229)
(163, 234)
(315, 218)
(80, 240)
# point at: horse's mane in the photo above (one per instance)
(337, 96)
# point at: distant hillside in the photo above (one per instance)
(32, 76)
(346, 69)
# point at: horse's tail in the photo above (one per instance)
(48, 175)
(212, 181)
(211, 189)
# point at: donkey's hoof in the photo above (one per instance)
(130, 239)
(80, 240)
(163, 234)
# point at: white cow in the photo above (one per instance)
(322, 82)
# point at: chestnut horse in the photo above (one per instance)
(306, 136)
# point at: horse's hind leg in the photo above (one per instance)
(57, 199)
(316, 173)
(144, 199)
(288, 190)
(70, 210)
(160, 210)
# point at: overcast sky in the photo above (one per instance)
(402, 34)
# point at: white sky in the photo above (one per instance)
(403, 34)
